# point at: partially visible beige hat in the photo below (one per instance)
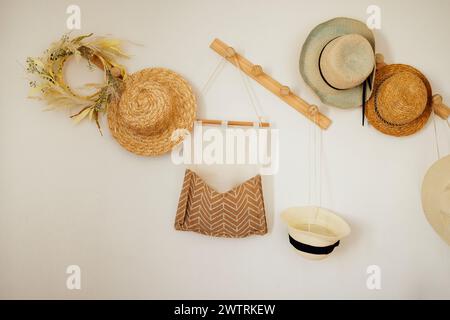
(155, 103)
(338, 62)
(313, 231)
(436, 197)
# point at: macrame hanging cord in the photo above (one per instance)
(436, 138)
(315, 151)
(254, 102)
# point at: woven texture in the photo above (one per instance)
(347, 61)
(237, 213)
(155, 102)
(401, 101)
(310, 58)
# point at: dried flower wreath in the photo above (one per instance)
(51, 87)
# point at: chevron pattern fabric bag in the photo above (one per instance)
(236, 213)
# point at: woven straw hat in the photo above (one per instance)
(401, 102)
(155, 102)
(436, 197)
(314, 232)
(338, 60)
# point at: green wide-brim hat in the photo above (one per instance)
(319, 37)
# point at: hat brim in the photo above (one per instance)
(434, 183)
(309, 61)
(397, 130)
(183, 116)
(332, 227)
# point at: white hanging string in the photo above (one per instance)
(257, 105)
(309, 149)
(314, 146)
(318, 150)
(310, 168)
(220, 65)
(320, 146)
(320, 166)
(314, 167)
(248, 88)
(436, 136)
(315, 150)
(315, 159)
(253, 99)
(448, 124)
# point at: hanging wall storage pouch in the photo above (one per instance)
(236, 213)
(223, 199)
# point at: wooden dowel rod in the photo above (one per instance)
(234, 123)
(379, 60)
(269, 83)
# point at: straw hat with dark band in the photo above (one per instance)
(155, 102)
(401, 101)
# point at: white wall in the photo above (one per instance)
(70, 196)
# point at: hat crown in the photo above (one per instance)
(146, 107)
(347, 61)
(401, 98)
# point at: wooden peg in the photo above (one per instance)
(115, 72)
(439, 107)
(437, 99)
(379, 60)
(313, 110)
(285, 91)
(257, 70)
(230, 52)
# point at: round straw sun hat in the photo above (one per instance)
(436, 197)
(401, 101)
(155, 102)
(314, 232)
(338, 62)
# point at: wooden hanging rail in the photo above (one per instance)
(235, 123)
(283, 92)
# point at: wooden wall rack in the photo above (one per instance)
(257, 73)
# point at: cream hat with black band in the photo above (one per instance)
(313, 231)
(338, 62)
